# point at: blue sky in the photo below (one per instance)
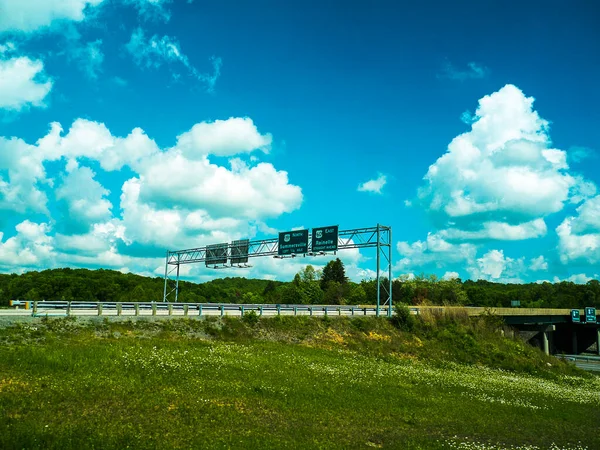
(128, 127)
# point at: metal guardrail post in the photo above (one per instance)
(119, 309)
(352, 310)
(261, 310)
(222, 310)
(170, 308)
(68, 308)
(242, 311)
(99, 309)
(153, 308)
(339, 311)
(35, 305)
(365, 309)
(137, 309)
(295, 310)
(199, 310)
(325, 311)
(310, 311)
(278, 310)
(186, 309)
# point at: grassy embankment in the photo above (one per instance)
(287, 383)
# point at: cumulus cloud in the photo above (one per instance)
(93, 140)
(23, 83)
(21, 187)
(579, 236)
(85, 197)
(223, 138)
(32, 15)
(31, 247)
(450, 276)
(500, 179)
(494, 266)
(472, 71)
(435, 252)
(375, 186)
(176, 198)
(156, 51)
(580, 278)
(537, 264)
(493, 230)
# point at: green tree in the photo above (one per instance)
(333, 271)
(309, 274)
(356, 294)
(334, 294)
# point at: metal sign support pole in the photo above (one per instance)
(166, 277)
(378, 270)
(390, 269)
(177, 281)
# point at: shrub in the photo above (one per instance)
(403, 319)
(250, 318)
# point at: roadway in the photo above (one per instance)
(43, 309)
(585, 362)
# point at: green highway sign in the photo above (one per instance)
(216, 254)
(590, 315)
(239, 251)
(325, 239)
(293, 242)
(575, 316)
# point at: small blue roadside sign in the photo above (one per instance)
(590, 315)
(575, 316)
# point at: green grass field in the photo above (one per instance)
(286, 383)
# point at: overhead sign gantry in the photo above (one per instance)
(289, 244)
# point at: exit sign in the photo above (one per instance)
(575, 316)
(590, 315)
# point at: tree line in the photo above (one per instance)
(309, 286)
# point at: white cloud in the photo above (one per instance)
(375, 185)
(580, 278)
(93, 140)
(152, 9)
(171, 201)
(501, 178)
(494, 266)
(498, 231)
(434, 251)
(473, 71)
(223, 138)
(578, 154)
(23, 83)
(450, 276)
(85, 197)
(579, 236)
(21, 191)
(31, 247)
(537, 264)
(89, 58)
(157, 51)
(33, 15)
(8, 47)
